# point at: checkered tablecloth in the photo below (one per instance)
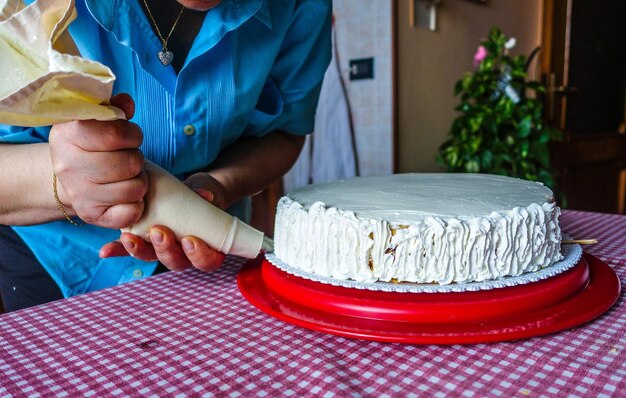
(192, 334)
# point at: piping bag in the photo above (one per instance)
(45, 81)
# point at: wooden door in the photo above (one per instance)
(584, 69)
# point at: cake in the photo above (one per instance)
(422, 228)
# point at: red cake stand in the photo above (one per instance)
(568, 299)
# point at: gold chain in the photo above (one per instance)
(163, 40)
(59, 204)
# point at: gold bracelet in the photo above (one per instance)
(59, 204)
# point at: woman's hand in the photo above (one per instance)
(163, 246)
(205, 185)
(99, 168)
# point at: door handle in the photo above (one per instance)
(564, 90)
(553, 91)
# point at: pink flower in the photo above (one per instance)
(481, 54)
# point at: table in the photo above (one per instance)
(192, 334)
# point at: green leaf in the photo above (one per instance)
(533, 85)
(472, 166)
(540, 152)
(516, 73)
(486, 160)
(466, 81)
(458, 87)
(530, 176)
(475, 143)
(523, 129)
(475, 123)
(524, 147)
(486, 64)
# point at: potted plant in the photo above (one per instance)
(500, 129)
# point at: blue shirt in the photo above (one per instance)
(255, 66)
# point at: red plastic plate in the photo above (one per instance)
(566, 300)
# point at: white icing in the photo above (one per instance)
(426, 228)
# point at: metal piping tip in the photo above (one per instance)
(268, 244)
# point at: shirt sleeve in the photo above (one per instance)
(289, 98)
(23, 135)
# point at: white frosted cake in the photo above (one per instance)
(424, 228)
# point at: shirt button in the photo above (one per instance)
(189, 129)
(137, 273)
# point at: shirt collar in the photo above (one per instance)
(126, 21)
(227, 16)
(237, 11)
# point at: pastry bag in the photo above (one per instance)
(44, 81)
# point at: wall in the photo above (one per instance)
(430, 63)
(364, 30)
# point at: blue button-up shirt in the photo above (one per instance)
(255, 66)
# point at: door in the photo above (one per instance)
(584, 70)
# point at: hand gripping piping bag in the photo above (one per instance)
(45, 81)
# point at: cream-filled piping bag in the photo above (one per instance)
(171, 203)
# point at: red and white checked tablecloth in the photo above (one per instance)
(192, 334)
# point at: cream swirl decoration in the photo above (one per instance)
(420, 234)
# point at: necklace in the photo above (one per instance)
(165, 55)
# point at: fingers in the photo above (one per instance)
(114, 205)
(122, 191)
(177, 256)
(103, 167)
(104, 213)
(103, 136)
(167, 249)
(128, 244)
(112, 249)
(125, 103)
(117, 216)
(137, 247)
(207, 186)
(189, 252)
(207, 195)
(201, 256)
